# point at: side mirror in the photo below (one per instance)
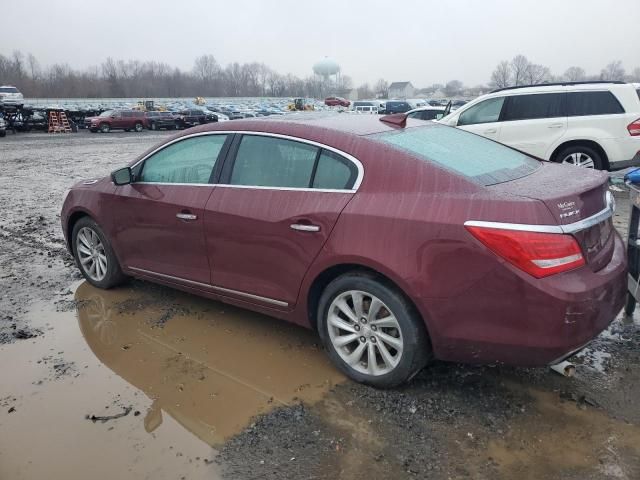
(122, 176)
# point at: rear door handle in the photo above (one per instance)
(491, 130)
(556, 125)
(302, 227)
(186, 216)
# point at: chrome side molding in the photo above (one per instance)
(207, 286)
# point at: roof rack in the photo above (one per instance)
(556, 84)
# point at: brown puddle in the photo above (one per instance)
(560, 437)
(197, 379)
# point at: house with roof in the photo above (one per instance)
(401, 90)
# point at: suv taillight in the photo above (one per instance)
(634, 128)
(538, 254)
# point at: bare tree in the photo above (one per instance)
(382, 88)
(453, 88)
(613, 71)
(536, 74)
(501, 76)
(635, 75)
(575, 74)
(519, 69)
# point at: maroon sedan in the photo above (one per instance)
(398, 241)
(336, 102)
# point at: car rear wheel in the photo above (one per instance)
(138, 127)
(580, 156)
(105, 128)
(94, 255)
(371, 332)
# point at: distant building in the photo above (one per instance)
(401, 90)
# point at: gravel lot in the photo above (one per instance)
(146, 382)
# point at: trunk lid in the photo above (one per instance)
(571, 194)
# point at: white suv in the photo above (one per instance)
(11, 96)
(594, 124)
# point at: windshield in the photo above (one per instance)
(9, 90)
(108, 113)
(477, 158)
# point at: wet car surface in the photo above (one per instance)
(75, 359)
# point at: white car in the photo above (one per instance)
(10, 95)
(427, 113)
(586, 124)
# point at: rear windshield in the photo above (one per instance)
(477, 158)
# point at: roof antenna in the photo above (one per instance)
(398, 119)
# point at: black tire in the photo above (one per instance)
(105, 127)
(630, 305)
(113, 275)
(416, 350)
(138, 127)
(127, 129)
(93, 130)
(598, 163)
(3, 133)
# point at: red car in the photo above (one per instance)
(336, 102)
(398, 241)
(126, 120)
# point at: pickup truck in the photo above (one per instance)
(190, 118)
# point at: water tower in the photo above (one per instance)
(328, 71)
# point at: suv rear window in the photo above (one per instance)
(527, 107)
(592, 103)
(477, 158)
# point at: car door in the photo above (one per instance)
(534, 123)
(279, 202)
(160, 214)
(117, 120)
(483, 118)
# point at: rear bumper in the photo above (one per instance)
(510, 319)
(634, 162)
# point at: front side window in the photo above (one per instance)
(188, 161)
(592, 103)
(487, 111)
(527, 107)
(474, 157)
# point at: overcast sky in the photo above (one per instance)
(423, 41)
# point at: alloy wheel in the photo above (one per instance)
(91, 254)
(579, 159)
(365, 332)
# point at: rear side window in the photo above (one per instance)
(187, 161)
(334, 172)
(273, 162)
(527, 107)
(592, 103)
(487, 111)
(477, 158)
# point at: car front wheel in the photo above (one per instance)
(94, 255)
(138, 127)
(105, 128)
(580, 156)
(371, 332)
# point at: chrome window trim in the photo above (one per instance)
(271, 301)
(346, 155)
(560, 229)
(176, 184)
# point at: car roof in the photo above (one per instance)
(292, 124)
(560, 87)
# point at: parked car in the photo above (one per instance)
(426, 113)
(336, 102)
(397, 106)
(586, 124)
(10, 95)
(191, 118)
(398, 240)
(126, 120)
(3, 127)
(159, 120)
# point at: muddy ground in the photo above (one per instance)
(146, 382)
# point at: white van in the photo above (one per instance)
(586, 124)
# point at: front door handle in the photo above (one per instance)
(302, 227)
(491, 130)
(186, 216)
(556, 125)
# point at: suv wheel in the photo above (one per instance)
(371, 332)
(138, 127)
(580, 156)
(105, 128)
(94, 255)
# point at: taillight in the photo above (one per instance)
(538, 254)
(634, 128)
